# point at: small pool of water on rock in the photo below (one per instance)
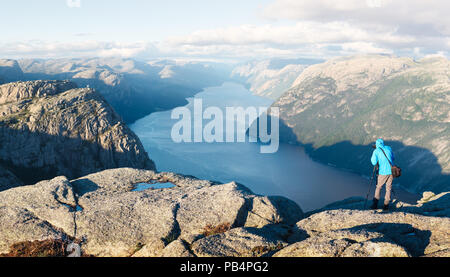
(156, 185)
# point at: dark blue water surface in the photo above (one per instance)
(288, 172)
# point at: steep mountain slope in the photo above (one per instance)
(194, 74)
(135, 89)
(52, 128)
(270, 78)
(10, 71)
(339, 107)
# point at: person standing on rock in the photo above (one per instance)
(384, 172)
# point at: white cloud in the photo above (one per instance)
(365, 48)
(330, 28)
(43, 49)
(420, 16)
(376, 3)
(73, 3)
(291, 40)
(293, 28)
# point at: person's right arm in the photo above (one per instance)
(374, 158)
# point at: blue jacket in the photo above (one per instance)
(378, 157)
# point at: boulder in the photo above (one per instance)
(19, 225)
(271, 210)
(51, 201)
(419, 235)
(344, 243)
(177, 248)
(239, 242)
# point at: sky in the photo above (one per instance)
(223, 29)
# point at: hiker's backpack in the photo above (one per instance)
(396, 171)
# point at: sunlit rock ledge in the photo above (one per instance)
(107, 216)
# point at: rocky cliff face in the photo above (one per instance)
(52, 128)
(339, 107)
(8, 180)
(108, 217)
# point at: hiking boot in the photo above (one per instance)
(386, 208)
(374, 204)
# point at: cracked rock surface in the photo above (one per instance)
(111, 217)
(114, 220)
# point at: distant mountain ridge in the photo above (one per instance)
(269, 78)
(338, 108)
(135, 89)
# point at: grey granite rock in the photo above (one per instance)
(51, 128)
(239, 242)
(112, 218)
(419, 235)
(345, 243)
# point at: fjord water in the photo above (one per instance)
(288, 172)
